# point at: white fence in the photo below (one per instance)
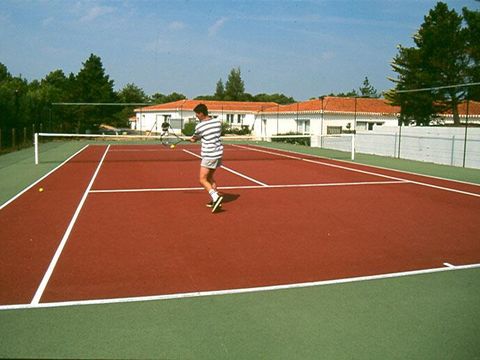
(438, 145)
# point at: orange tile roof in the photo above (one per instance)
(329, 104)
(340, 104)
(212, 105)
(473, 108)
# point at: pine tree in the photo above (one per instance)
(439, 59)
(367, 90)
(220, 90)
(93, 85)
(472, 30)
(234, 88)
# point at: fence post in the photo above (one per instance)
(399, 139)
(13, 137)
(452, 159)
(353, 146)
(466, 133)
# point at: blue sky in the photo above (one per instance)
(299, 48)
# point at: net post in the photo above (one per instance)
(35, 145)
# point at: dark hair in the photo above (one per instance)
(201, 108)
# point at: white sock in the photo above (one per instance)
(214, 194)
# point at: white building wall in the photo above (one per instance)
(271, 124)
(151, 121)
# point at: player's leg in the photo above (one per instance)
(208, 182)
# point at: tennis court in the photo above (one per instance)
(120, 223)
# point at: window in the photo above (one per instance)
(334, 130)
(230, 118)
(303, 126)
(240, 118)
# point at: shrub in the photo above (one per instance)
(293, 140)
(189, 128)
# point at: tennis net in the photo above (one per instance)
(57, 147)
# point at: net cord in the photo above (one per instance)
(38, 136)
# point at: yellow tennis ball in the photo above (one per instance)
(40, 189)
(172, 146)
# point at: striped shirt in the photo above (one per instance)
(209, 132)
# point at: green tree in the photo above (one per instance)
(4, 74)
(367, 90)
(220, 90)
(439, 59)
(159, 98)
(129, 94)
(234, 87)
(277, 98)
(7, 98)
(54, 88)
(442, 43)
(94, 85)
(14, 106)
(472, 33)
(418, 107)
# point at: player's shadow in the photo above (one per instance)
(226, 199)
(229, 197)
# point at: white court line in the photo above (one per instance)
(53, 263)
(43, 177)
(363, 171)
(240, 187)
(137, 150)
(231, 170)
(237, 291)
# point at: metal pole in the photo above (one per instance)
(355, 117)
(466, 132)
(35, 145)
(353, 147)
(322, 123)
(278, 113)
(399, 139)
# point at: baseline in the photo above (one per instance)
(447, 267)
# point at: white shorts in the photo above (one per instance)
(211, 163)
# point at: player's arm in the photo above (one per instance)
(196, 136)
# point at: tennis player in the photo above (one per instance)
(209, 130)
(165, 126)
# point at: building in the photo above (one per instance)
(322, 116)
(177, 113)
(328, 115)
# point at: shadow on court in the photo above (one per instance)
(229, 197)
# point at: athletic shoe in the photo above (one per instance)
(217, 203)
(210, 204)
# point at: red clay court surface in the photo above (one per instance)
(125, 222)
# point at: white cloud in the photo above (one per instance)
(96, 12)
(215, 28)
(176, 25)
